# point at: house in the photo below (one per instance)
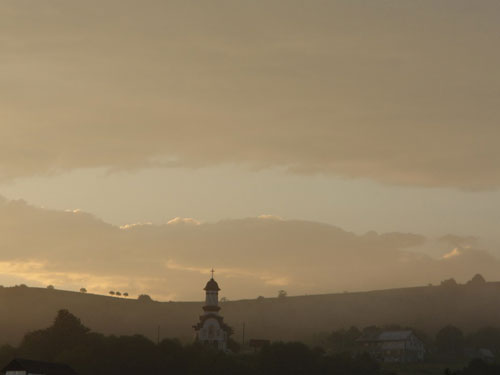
(28, 367)
(486, 355)
(482, 353)
(394, 346)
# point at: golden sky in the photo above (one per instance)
(360, 115)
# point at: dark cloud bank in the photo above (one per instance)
(397, 91)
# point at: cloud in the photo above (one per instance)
(270, 217)
(251, 256)
(183, 220)
(128, 226)
(351, 89)
(460, 241)
(232, 273)
(454, 253)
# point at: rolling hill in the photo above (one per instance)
(428, 308)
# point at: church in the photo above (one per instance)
(211, 329)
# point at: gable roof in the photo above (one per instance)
(386, 336)
(38, 367)
(394, 335)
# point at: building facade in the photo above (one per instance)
(394, 346)
(211, 329)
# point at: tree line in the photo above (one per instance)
(68, 341)
(449, 343)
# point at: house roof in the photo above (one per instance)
(394, 335)
(38, 367)
(387, 336)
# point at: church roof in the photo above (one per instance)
(219, 318)
(212, 286)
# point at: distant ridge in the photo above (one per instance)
(428, 308)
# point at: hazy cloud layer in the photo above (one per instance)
(397, 91)
(255, 256)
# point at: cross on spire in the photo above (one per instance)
(212, 273)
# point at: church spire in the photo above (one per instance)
(211, 329)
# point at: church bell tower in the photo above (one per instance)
(211, 329)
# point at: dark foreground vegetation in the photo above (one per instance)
(450, 343)
(450, 351)
(477, 367)
(68, 341)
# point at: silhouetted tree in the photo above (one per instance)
(486, 337)
(449, 283)
(343, 340)
(282, 294)
(66, 332)
(83, 290)
(477, 280)
(477, 367)
(50, 287)
(69, 341)
(144, 298)
(233, 345)
(112, 292)
(125, 294)
(7, 353)
(286, 358)
(450, 341)
(371, 331)
(118, 294)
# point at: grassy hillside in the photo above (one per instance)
(428, 308)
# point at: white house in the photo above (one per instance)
(394, 346)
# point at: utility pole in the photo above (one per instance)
(243, 335)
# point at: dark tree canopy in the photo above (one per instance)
(450, 341)
(450, 283)
(477, 280)
(144, 298)
(69, 341)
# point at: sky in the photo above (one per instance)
(316, 147)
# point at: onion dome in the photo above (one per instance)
(212, 286)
